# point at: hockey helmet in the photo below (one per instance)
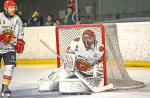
(8, 3)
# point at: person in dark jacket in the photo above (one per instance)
(36, 19)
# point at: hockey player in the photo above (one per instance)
(11, 34)
(85, 53)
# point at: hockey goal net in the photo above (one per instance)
(114, 69)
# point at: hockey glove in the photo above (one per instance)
(20, 45)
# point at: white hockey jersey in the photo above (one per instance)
(11, 25)
(91, 55)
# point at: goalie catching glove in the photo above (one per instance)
(20, 45)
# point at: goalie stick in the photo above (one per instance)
(92, 87)
(48, 47)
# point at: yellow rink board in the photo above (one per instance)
(54, 62)
(137, 63)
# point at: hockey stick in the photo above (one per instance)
(92, 87)
(48, 47)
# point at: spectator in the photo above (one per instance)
(70, 17)
(59, 22)
(24, 21)
(50, 20)
(36, 19)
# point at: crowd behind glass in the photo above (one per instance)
(37, 20)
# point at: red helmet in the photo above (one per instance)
(9, 3)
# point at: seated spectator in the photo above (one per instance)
(50, 20)
(24, 21)
(36, 19)
(59, 22)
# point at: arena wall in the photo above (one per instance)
(134, 41)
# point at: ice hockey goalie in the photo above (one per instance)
(84, 54)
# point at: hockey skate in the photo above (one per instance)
(5, 92)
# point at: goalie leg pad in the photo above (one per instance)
(72, 85)
(52, 82)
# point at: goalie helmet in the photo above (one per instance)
(8, 3)
(88, 38)
(89, 33)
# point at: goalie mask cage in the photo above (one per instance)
(114, 69)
